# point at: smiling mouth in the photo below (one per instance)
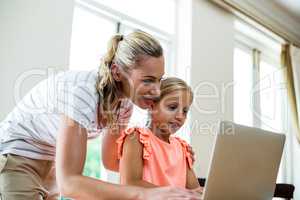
(174, 125)
(151, 98)
(150, 101)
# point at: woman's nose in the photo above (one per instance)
(156, 90)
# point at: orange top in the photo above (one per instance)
(165, 164)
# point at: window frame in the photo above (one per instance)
(123, 21)
(268, 54)
(272, 57)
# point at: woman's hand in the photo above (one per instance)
(169, 193)
(190, 149)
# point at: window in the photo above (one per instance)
(163, 19)
(243, 86)
(272, 93)
(259, 89)
(94, 22)
(90, 34)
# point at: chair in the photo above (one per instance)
(285, 191)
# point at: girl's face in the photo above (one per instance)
(170, 113)
(142, 83)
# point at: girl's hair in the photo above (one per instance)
(172, 84)
(126, 52)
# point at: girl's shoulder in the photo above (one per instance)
(185, 148)
(142, 134)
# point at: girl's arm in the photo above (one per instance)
(131, 163)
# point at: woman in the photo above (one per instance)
(55, 119)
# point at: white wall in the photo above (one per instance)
(33, 35)
(211, 70)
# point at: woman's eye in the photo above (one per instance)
(148, 81)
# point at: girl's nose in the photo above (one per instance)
(180, 116)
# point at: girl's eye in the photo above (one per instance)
(185, 111)
(172, 107)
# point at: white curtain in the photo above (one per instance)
(295, 57)
(292, 148)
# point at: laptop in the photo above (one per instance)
(244, 163)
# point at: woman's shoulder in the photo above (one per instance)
(81, 84)
(75, 78)
(76, 96)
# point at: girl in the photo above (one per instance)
(55, 119)
(152, 157)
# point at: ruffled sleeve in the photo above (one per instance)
(144, 138)
(188, 155)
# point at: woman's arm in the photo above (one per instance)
(131, 163)
(70, 159)
(110, 151)
(109, 146)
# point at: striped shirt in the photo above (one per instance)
(30, 130)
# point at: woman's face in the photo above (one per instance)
(142, 83)
(169, 114)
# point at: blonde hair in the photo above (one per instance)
(172, 84)
(126, 52)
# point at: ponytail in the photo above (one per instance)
(107, 87)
